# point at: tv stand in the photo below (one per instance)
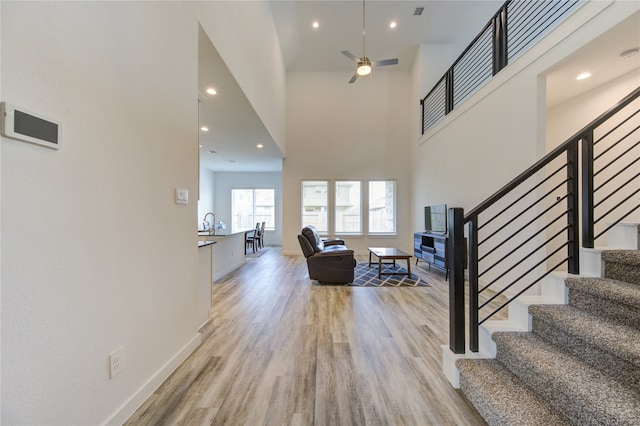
(431, 247)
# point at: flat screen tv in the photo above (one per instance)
(435, 219)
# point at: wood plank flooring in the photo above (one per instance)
(286, 351)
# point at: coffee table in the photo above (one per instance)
(390, 253)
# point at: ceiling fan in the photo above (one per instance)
(364, 64)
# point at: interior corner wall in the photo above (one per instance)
(227, 23)
(207, 193)
(96, 253)
(565, 119)
(337, 130)
(429, 65)
(496, 133)
(225, 182)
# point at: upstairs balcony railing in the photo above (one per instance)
(532, 226)
(512, 30)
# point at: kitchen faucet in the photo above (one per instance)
(205, 224)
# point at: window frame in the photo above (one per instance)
(393, 232)
(303, 206)
(336, 194)
(253, 206)
(330, 218)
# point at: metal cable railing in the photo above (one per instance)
(512, 30)
(531, 227)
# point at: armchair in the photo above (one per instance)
(328, 261)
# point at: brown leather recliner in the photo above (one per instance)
(328, 261)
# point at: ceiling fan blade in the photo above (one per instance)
(349, 55)
(354, 78)
(385, 62)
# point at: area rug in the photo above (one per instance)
(366, 276)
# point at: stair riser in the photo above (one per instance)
(476, 396)
(598, 357)
(621, 272)
(501, 399)
(624, 236)
(624, 314)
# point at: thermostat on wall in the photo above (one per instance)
(23, 125)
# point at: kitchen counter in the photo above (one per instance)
(222, 233)
(227, 251)
(202, 243)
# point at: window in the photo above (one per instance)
(339, 207)
(249, 206)
(348, 207)
(382, 207)
(315, 205)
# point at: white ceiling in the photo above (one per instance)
(340, 28)
(235, 128)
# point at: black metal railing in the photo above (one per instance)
(531, 227)
(510, 32)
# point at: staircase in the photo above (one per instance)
(578, 363)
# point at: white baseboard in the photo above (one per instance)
(138, 398)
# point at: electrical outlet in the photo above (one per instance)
(115, 362)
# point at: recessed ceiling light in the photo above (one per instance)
(260, 145)
(583, 76)
(204, 128)
(392, 24)
(200, 146)
(211, 91)
(315, 24)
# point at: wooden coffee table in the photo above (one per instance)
(383, 253)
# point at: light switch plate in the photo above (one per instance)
(182, 196)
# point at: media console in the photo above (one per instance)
(432, 248)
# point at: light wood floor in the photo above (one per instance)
(284, 350)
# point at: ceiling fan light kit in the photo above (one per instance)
(364, 64)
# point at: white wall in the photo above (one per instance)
(1, 349)
(225, 182)
(337, 130)
(565, 119)
(244, 35)
(207, 189)
(500, 131)
(96, 253)
(431, 62)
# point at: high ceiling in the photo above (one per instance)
(236, 130)
(340, 28)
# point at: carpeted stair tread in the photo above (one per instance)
(628, 257)
(622, 340)
(501, 398)
(623, 265)
(607, 297)
(582, 392)
(603, 343)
